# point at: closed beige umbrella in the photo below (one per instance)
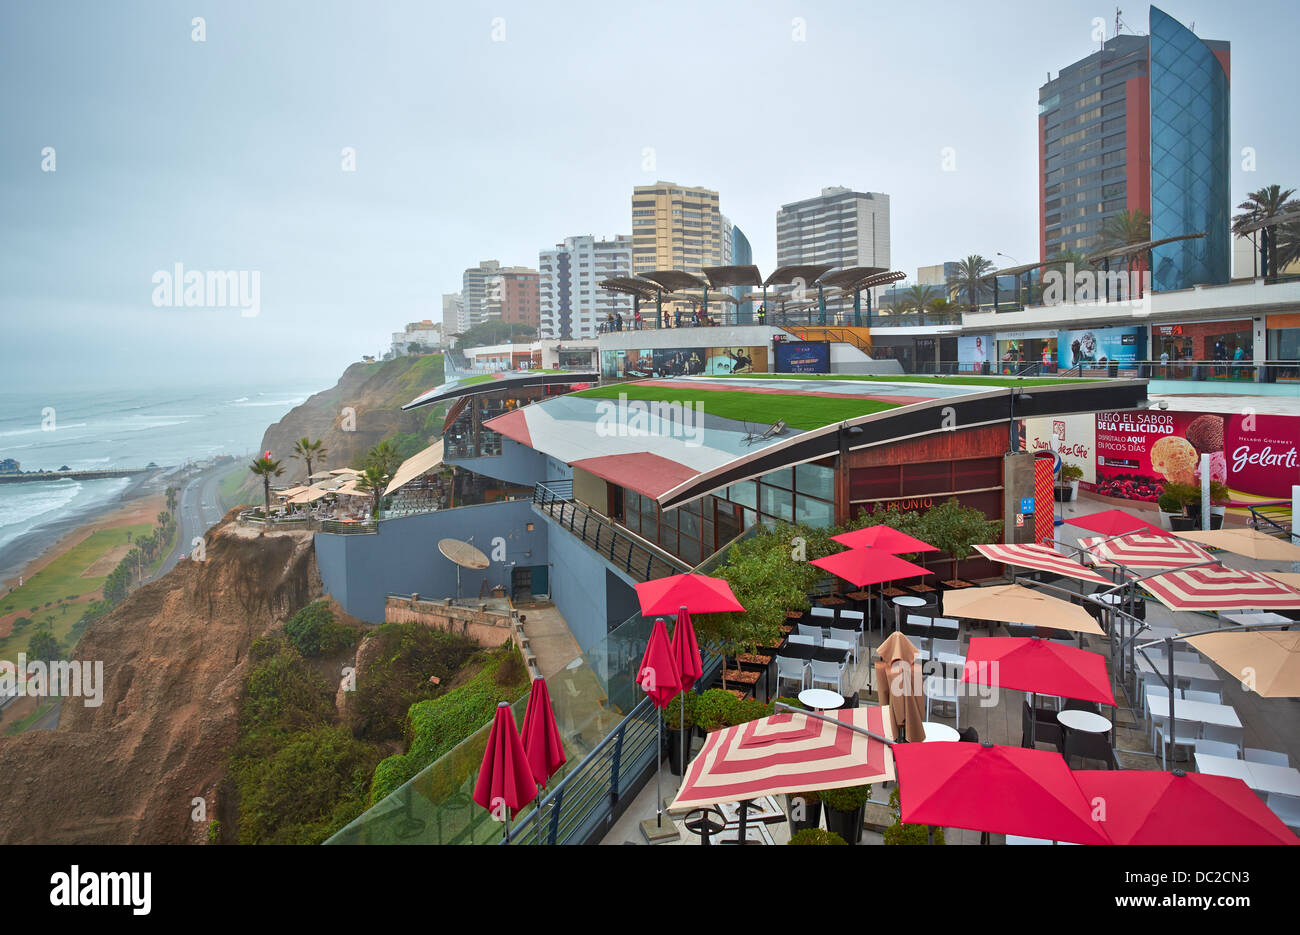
(900, 686)
(1011, 603)
(1248, 542)
(1265, 661)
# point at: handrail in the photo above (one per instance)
(622, 548)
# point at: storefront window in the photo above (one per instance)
(777, 503)
(744, 493)
(1284, 348)
(815, 480)
(816, 513)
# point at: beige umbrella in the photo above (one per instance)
(1248, 542)
(900, 686)
(291, 491)
(1266, 661)
(1290, 578)
(320, 475)
(1011, 603)
(310, 495)
(352, 471)
(349, 491)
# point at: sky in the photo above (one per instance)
(492, 131)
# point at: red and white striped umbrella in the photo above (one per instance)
(1146, 551)
(1215, 587)
(788, 753)
(1042, 558)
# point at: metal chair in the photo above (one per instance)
(1222, 732)
(945, 687)
(1047, 729)
(1216, 748)
(790, 669)
(811, 630)
(827, 673)
(1185, 734)
(1256, 755)
(847, 638)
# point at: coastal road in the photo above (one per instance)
(199, 507)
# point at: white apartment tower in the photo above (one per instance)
(572, 302)
(841, 227)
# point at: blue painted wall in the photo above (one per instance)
(517, 464)
(360, 571)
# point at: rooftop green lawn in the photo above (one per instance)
(800, 412)
(955, 380)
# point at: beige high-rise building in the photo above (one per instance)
(676, 227)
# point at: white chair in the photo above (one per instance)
(1216, 748)
(947, 627)
(1192, 694)
(827, 673)
(1186, 733)
(1256, 755)
(1224, 734)
(823, 613)
(847, 638)
(945, 686)
(855, 620)
(1285, 807)
(801, 640)
(791, 670)
(812, 631)
(945, 646)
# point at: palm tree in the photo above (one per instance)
(1122, 230)
(304, 449)
(372, 481)
(1284, 241)
(171, 499)
(919, 298)
(266, 468)
(945, 310)
(971, 278)
(384, 457)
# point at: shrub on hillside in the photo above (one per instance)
(314, 632)
(282, 694)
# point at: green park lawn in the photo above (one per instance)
(800, 412)
(956, 380)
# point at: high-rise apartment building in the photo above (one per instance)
(675, 227)
(840, 227)
(453, 311)
(742, 254)
(511, 295)
(1141, 124)
(572, 302)
(474, 292)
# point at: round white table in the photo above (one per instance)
(1085, 721)
(939, 733)
(820, 699)
(907, 600)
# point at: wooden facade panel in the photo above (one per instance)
(986, 441)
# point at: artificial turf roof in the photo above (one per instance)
(955, 380)
(797, 411)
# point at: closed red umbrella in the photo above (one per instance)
(1041, 666)
(884, 538)
(541, 736)
(686, 651)
(505, 780)
(1003, 790)
(1115, 523)
(701, 593)
(1154, 807)
(659, 679)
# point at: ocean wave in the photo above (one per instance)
(37, 429)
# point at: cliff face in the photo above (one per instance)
(375, 393)
(175, 654)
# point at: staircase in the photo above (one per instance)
(858, 337)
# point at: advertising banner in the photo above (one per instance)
(733, 359)
(803, 357)
(973, 353)
(1095, 348)
(1139, 451)
(1074, 438)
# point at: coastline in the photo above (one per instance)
(32, 551)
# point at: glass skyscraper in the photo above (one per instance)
(1189, 157)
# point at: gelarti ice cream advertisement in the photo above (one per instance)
(1139, 451)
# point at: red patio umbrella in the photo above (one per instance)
(701, 593)
(690, 667)
(658, 678)
(1154, 807)
(1115, 523)
(541, 736)
(505, 778)
(1040, 666)
(885, 538)
(1004, 790)
(868, 566)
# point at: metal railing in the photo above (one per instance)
(639, 558)
(1273, 518)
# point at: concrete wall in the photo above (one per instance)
(517, 464)
(360, 571)
(483, 627)
(586, 592)
(734, 335)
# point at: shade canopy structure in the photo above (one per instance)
(1040, 666)
(1154, 807)
(1114, 523)
(852, 277)
(807, 273)
(1214, 588)
(1041, 558)
(1146, 551)
(1001, 790)
(700, 594)
(673, 279)
(1266, 661)
(1133, 249)
(724, 276)
(788, 753)
(505, 778)
(417, 465)
(885, 538)
(657, 674)
(862, 567)
(540, 735)
(630, 285)
(1248, 542)
(1011, 603)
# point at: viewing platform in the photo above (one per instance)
(24, 477)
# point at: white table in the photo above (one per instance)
(1260, 617)
(820, 699)
(1262, 777)
(1084, 721)
(908, 600)
(1182, 670)
(942, 733)
(1205, 712)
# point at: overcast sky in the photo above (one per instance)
(494, 130)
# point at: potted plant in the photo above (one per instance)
(673, 730)
(1169, 506)
(1219, 499)
(1067, 486)
(804, 810)
(845, 809)
(1184, 495)
(899, 833)
(816, 836)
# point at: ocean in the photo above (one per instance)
(122, 428)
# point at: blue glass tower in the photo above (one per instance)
(1189, 157)
(741, 255)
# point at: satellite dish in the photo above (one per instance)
(463, 554)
